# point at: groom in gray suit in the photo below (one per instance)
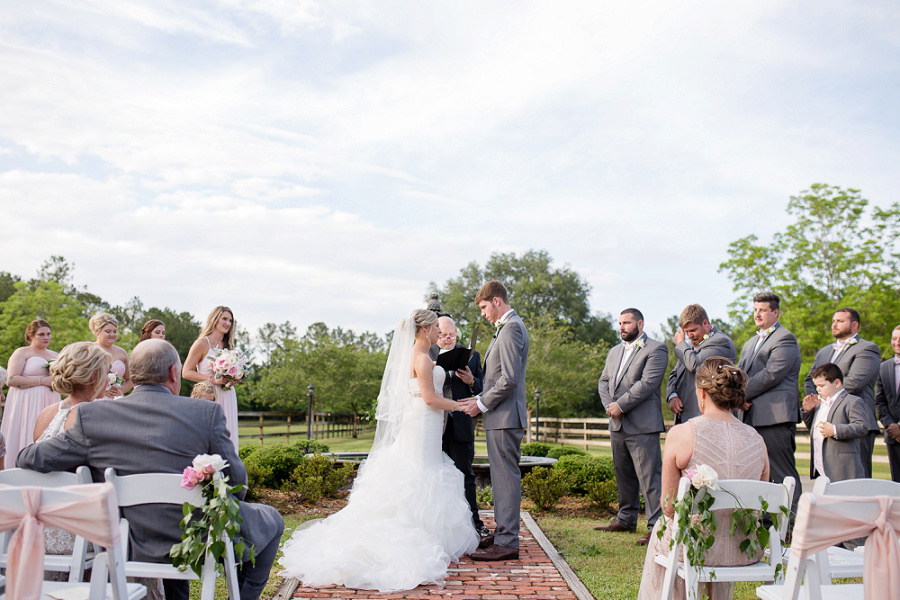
(153, 430)
(887, 401)
(858, 360)
(629, 390)
(696, 341)
(503, 406)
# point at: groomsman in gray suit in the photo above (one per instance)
(887, 401)
(629, 390)
(696, 341)
(152, 430)
(502, 404)
(858, 360)
(772, 361)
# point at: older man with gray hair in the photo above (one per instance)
(153, 430)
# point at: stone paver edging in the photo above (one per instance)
(541, 573)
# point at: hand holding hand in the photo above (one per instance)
(676, 404)
(614, 411)
(746, 406)
(893, 430)
(810, 402)
(826, 429)
(471, 407)
(678, 338)
(465, 375)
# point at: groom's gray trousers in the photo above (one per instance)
(504, 450)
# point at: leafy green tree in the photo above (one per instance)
(536, 289)
(45, 300)
(8, 283)
(565, 369)
(837, 253)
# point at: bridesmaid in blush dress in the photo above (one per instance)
(217, 333)
(106, 328)
(29, 389)
(154, 329)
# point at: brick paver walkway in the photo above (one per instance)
(533, 576)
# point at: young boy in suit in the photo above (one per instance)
(837, 423)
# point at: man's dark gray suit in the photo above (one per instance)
(154, 431)
(772, 390)
(842, 455)
(887, 401)
(690, 357)
(859, 363)
(635, 435)
(504, 422)
(459, 434)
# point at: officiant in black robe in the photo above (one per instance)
(459, 433)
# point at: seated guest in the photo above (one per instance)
(154, 431)
(734, 450)
(80, 374)
(837, 425)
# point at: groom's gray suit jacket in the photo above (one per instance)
(504, 377)
(150, 431)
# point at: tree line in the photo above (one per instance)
(838, 252)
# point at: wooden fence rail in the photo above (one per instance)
(595, 432)
(294, 425)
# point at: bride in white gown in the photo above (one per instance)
(407, 518)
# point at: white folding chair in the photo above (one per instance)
(89, 510)
(836, 562)
(747, 494)
(825, 520)
(165, 488)
(74, 564)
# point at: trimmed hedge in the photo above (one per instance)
(536, 449)
(273, 466)
(582, 471)
(545, 487)
(565, 451)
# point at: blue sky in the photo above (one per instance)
(312, 160)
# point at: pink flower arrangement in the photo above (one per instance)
(228, 364)
(204, 468)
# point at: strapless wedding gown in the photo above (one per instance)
(406, 521)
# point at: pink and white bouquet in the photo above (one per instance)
(208, 528)
(230, 365)
(703, 476)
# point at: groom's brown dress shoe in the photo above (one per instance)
(495, 552)
(486, 541)
(644, 540)
(615, 526)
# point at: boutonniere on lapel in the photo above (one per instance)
(852, 341)
(639, 344)
(498, 326)
(767, 332)
(706, 336)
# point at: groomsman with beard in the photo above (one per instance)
(695, 341)
(772, 360)
(858, 360)
(629, 390)
(887, 401)
(459, 433)
(503, 406)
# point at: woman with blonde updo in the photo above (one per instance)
(80, 374)
(154, 329)
(106, 328)
(29, 389)
(734, 450)
(218, 333)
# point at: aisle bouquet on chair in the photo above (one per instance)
(228, 364)
(697, 523)
(219, 520)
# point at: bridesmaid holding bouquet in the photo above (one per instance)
(29, 389)
(217, 335)
(106, 329)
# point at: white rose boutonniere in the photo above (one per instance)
(852, 341)
(639, 344)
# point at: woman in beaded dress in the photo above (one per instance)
(734, 450)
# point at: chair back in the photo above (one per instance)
(89, 511)
(152, 488)
(826, 520)
(856, 487)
